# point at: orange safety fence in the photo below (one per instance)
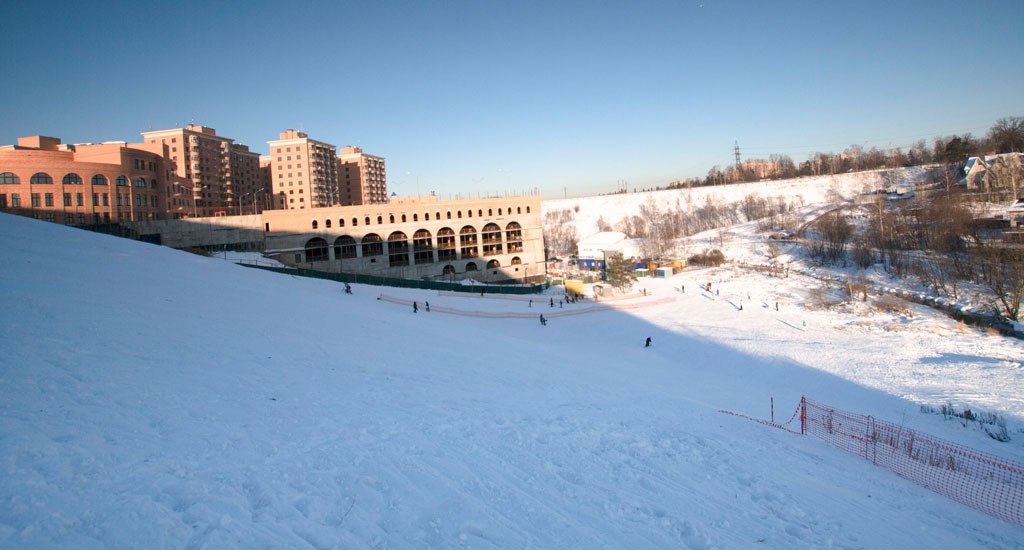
(985, 482)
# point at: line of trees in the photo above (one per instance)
(1005, 136)
(937, 241)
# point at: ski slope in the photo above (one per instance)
(154, 398)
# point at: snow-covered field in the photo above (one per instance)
(153, 398)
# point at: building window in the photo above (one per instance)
(41, 178)
(493, 264)
(3, 200)
(468, 242)
(355, 222)
(99, 179)
(327, 223)
(79, 199)
(121, 181)
(341, 222)
(398, 249)
(316, 250)
(372, 245)
(8, 178)
(72, 179)
(471, 267)
(344, 247)
(106, 199)
(491, 234)
(514, 237)
(35, 200)
(67, 199)
(15, 200)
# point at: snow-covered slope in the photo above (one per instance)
(153, 398)
(802, 191)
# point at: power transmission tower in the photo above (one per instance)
(736, 149)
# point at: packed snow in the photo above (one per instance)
(154, 398)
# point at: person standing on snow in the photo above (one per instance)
(415, 307)
(648, 343)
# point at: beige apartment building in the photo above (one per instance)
(303, 172)
(89, 184)
(489, 240)
(224, 174)
(362, 177)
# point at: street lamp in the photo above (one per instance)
(254, 194)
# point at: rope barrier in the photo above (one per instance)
(541, 309)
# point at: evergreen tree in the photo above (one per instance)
(619, 271)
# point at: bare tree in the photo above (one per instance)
(1007, 135)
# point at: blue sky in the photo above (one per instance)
(478, 97)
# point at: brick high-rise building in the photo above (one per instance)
(90, 184)
(362, 177)
(221, 171)
(304, 172)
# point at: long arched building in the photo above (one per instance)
(489, 240)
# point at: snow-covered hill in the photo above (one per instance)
(153, 398)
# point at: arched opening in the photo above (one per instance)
(366, 221)
(493, 264)
(467, 242)
(480, 213)
(446, 245)
(449, 215)
(355, 222)
(458, 214)
(519, 210)
(380, 220)
(403, 218)
(516, 260)
(140, 182)
(416, 217)
(499, 211)
(422, 251)
(327, 223)
(514, 237)
(490, 212)
(448, 270)
(391, 218)
(469, 213)
(314, 224)
(398, 249)
(41, 178)
(492, 239)
(471, 267)
(99, 179)
(344, 247)
(316, 250)
(527, 209)
(121, 181)
(341, 222)
(8, 178)
(372, 245)
(72, 179)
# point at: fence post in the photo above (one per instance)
(869, 441)
(773, 409)
(803, 415)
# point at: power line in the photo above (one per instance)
(887, 140)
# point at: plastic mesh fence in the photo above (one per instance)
(984, 482)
